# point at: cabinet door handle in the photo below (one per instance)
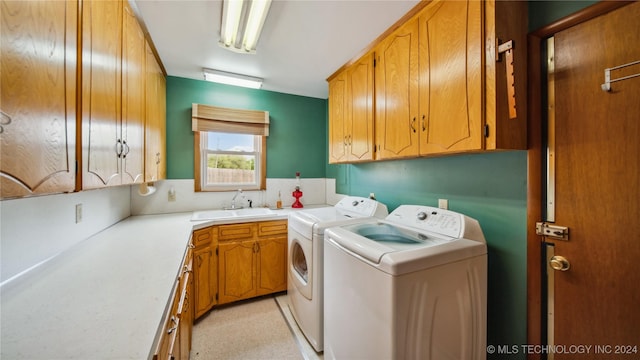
(424, 127)
(345, 141)
(119, 148)
(157, 158)
(413, 124)
(5, 119)
(126, 149)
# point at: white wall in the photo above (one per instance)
(34, 229)
(315, 192)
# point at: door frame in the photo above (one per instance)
(536, 262)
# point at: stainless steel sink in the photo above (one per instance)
(230, 214)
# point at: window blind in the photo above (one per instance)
(219, 119)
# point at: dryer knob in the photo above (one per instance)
(355, 203)
(422, 215)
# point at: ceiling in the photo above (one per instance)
(302, 43)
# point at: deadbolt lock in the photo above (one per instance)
(559, 263)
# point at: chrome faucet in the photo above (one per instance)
(233, 201)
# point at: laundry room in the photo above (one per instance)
(114, 195)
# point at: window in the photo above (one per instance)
(231, 161)
(229, 148)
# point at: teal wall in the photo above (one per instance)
(490, 187)
(297, 129)
(542, 13)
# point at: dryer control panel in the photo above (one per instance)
(362, 207)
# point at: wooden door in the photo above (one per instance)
(337, 118)
(597, 188)
(451, 77)
(396, 94)
(272, 265)
(37, 97)
(101, 92)
(236, 270)
(359, 122)
(133, 100)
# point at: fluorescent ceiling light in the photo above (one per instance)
(232, 79)
(242, 22)
(231, 12)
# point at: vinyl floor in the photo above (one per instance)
(260, 329)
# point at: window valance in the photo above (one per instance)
(219, 119)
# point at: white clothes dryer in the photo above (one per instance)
(305, 258)
(411, 286)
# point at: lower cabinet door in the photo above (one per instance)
(272, 265)
(204, 270)
(237, 270)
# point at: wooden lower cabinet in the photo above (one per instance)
(223, 264)
(205, 266)
(272, 265)
(175, 339)
(252, 260)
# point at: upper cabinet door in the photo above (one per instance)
(396, 93)
(101, 93)
(451, 73)
(155, 157)
(38, 98)
(337, 118)
(133, 99)
(359, 119)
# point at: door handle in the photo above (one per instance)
(559, 263)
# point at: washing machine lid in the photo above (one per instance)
(399, 250)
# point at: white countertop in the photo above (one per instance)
(103, 298)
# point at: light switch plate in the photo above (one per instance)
(78, 213)
(443, 204)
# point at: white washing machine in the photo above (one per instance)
(411, 286)
(305, 263)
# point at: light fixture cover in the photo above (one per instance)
(228, 78)
(242, 22)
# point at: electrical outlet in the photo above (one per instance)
(443, 204)
(78, 213)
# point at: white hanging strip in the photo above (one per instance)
(607, 75)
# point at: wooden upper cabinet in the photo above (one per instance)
(37, 97)
(337, 118)
(396, 92)
(440, 87)
(351, 113)
(359, 105)
(113, 95)
(101, 92)
(133, 97)
(155, 126)
(451, 69)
